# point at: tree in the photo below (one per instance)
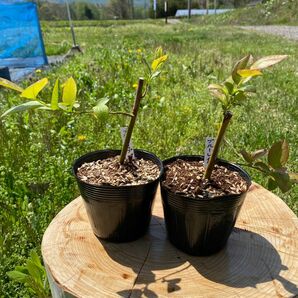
(120, 8)
(88, 13)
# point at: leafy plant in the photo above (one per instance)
(34, 141)
(33, 276)
(152, 73)
(69, 104)
(275, 167)
(236, 90)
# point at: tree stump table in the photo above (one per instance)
(259, 260)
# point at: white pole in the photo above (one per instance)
(189, 8)
(70, 24)
(154, 8)
(166, 11)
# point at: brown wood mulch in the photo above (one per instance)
(187, 178)
(110, 172)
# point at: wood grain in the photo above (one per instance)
(260, 259)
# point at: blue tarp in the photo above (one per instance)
(21, 43)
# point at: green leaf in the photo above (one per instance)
(22, 269)
(32, 91)
(241, 64)
(268, 61)
(240, 96)
(63, 107)
(155, 74)
(18, 276)
(23, 107)
(35, 259)
(278, 154)
(283, 180)
(158, 52)
(101, 110)
(247, 156)
(8, 84)
(45, 107)
(69, 92)
(34, 271)
(229, 86)
(55, 96)
(272, 184)
(158, 62)
(262, 166)
(249, 73)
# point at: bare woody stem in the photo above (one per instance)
(227, 117)
(110, 112)
(121, 113)
(253, 167)
(132, 120)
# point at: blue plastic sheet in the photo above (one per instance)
(21, 43)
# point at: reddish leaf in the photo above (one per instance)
(259, 153)
(268, 61)
(278, 154)
(247, 156)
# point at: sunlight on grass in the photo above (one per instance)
(38, 148)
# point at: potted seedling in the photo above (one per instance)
(117, 186)
(201, 203)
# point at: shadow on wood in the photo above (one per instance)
(260, 258)
(247, 261)
(145, 256)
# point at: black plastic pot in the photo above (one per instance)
(200, 226)
(118, 213)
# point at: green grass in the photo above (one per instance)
(38, 149)
(278, 12)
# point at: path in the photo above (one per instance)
(290, 32)
(174, 21)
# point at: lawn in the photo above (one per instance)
(39, 148)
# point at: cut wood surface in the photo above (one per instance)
(260, 259)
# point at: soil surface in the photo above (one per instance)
(110, 172)
(187, 178)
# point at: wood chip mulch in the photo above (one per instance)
(187, 178)
(110, 172)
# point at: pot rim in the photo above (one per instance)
(80, 161)
(219, 161)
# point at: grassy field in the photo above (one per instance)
(38, 149)
(278, 12)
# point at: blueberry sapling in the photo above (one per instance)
(235, 91)
(69, 104)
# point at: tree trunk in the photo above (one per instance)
(132, 9)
